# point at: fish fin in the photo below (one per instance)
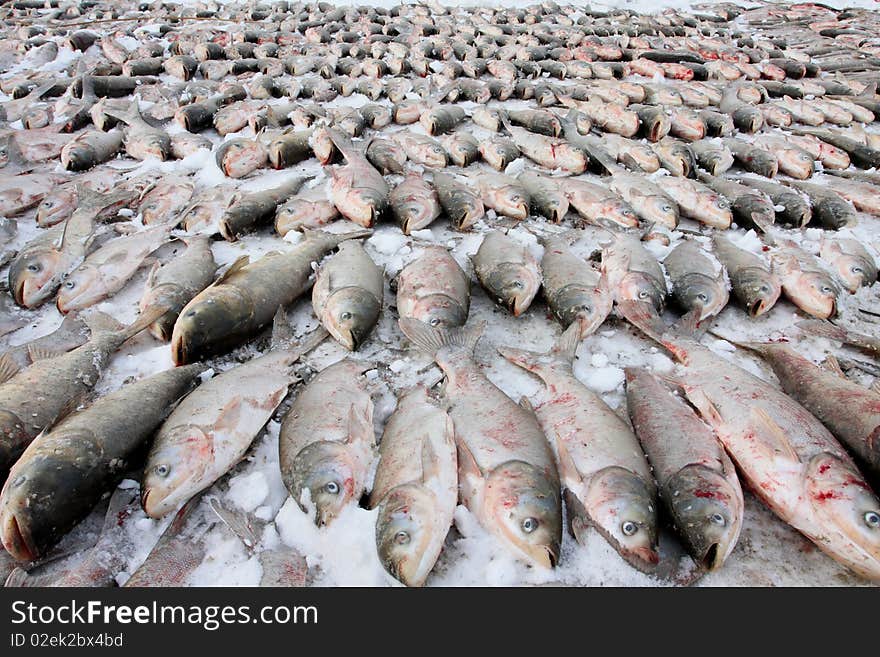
(360, 425)
(129, 115)
(240, 263)
(688, 325)
(178, 524)
(431, 340)
(36, 353)
(8, 367)
(707, 410)
(430, 461)
(282, 332)
(526, 405)
(241, 524)
(823, 329)
(69, 408)
(146, 318)
(779, 440)
(644, 317)
(568, 470)
(99, 322)
(151, 275)
(312, 341)
(470, 474)
(870, 89)
(831, 364)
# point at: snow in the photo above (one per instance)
(343, 553)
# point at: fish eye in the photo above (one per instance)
(331, 487)
(34, 267)
(69, 285)
(345, 316)
(629, 528)
(643, 294)
(162, 470)
(855, 269)
(434, 321)
(702, 296)
(402, 538)
(717, 519)
(826, 289)
(872, 519)
(518, 284)
(529, 525)
(666, 208)
(586, 308)
(722, 204)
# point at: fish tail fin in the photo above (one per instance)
(240, 523)
(99, 322)
(560, 355)
(431, 340)
(129, 115)
(823, 329)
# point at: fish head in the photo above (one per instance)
(325, 468)
(514, 285)
(717, 210)
(759, 290)
(511, 201)
(239, 158)
(80, 289)
(408, 536)
(175, 469)
(707, 511)
(622, 507)
(798, 164)
(589, 306)
(434, 155)
(350, 315)
(33, 276)
(79, 157)
(206, 323)
(440, 311)
(856, 272)
(148, 144)
(56, 207)
(847, 510)
(695, 289)
(637, 286)
(413, 214)
(816, 293)
(523, 507)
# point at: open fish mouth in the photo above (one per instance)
(16, 542)
(710, 559)
(757, 307)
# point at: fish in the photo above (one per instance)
(847, 409)
(646, 198)
(289, 148)
(461, 147)
(577, 292)
(142, 140)
(631, 153)
(88, 452)
(434, 289)
(250, 210)
(358, 191)
(244, 299)
(698, 202)
(828, 330)
(542, 122)
(753, 284)
(212, 428)
(173, 284)
(203, 213)
(442, 119)
(696, 479)
(348, 293)
(606, 479)
(864, 196)
(502, 193)
(785, 455)
(91, 148)
(422, 149)
(507, 271)
(598, 204)
(106, 270)
(463, 207)
(506, 470)
(239, 157)
(498, 152)
(414, 203)
(633, 273)
(37, 271)
(697, 282)
(861, 155)
(546, 196)
(162, 203)
(415, 489)
(712, 155)
(385, 155)
(805, 282)
(550, 152)
(790, 205)
(326, 442)
(793, 161)
(855, 267)
(752, 159)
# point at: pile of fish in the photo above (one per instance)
(214, 164)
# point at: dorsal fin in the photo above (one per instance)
(240, 263)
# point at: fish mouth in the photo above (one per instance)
(16, 542)
(710, 559)
(18, 292)
(646, 555)
(145, 497)
(757, 307)
(178, 352)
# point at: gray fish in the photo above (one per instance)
(751, 158)
(141, 139)
(697, 283)
(248, 211)
(507, 271)
(828, 208)
(413, 203)
(289, 148)
(462, 148)
(632, 272)
(359, 192)
(326, 442)
(72, 333)
(91, 148)
(751, 208)
(753, 284)
(387, 156)
(546, 195)
(791, 207)
(696, 478)
(463, 207)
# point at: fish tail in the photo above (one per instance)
(99, 322)
(644, 317)
(560, 355)
(431, 340)
(147, 317)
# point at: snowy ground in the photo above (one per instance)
(769, 553)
